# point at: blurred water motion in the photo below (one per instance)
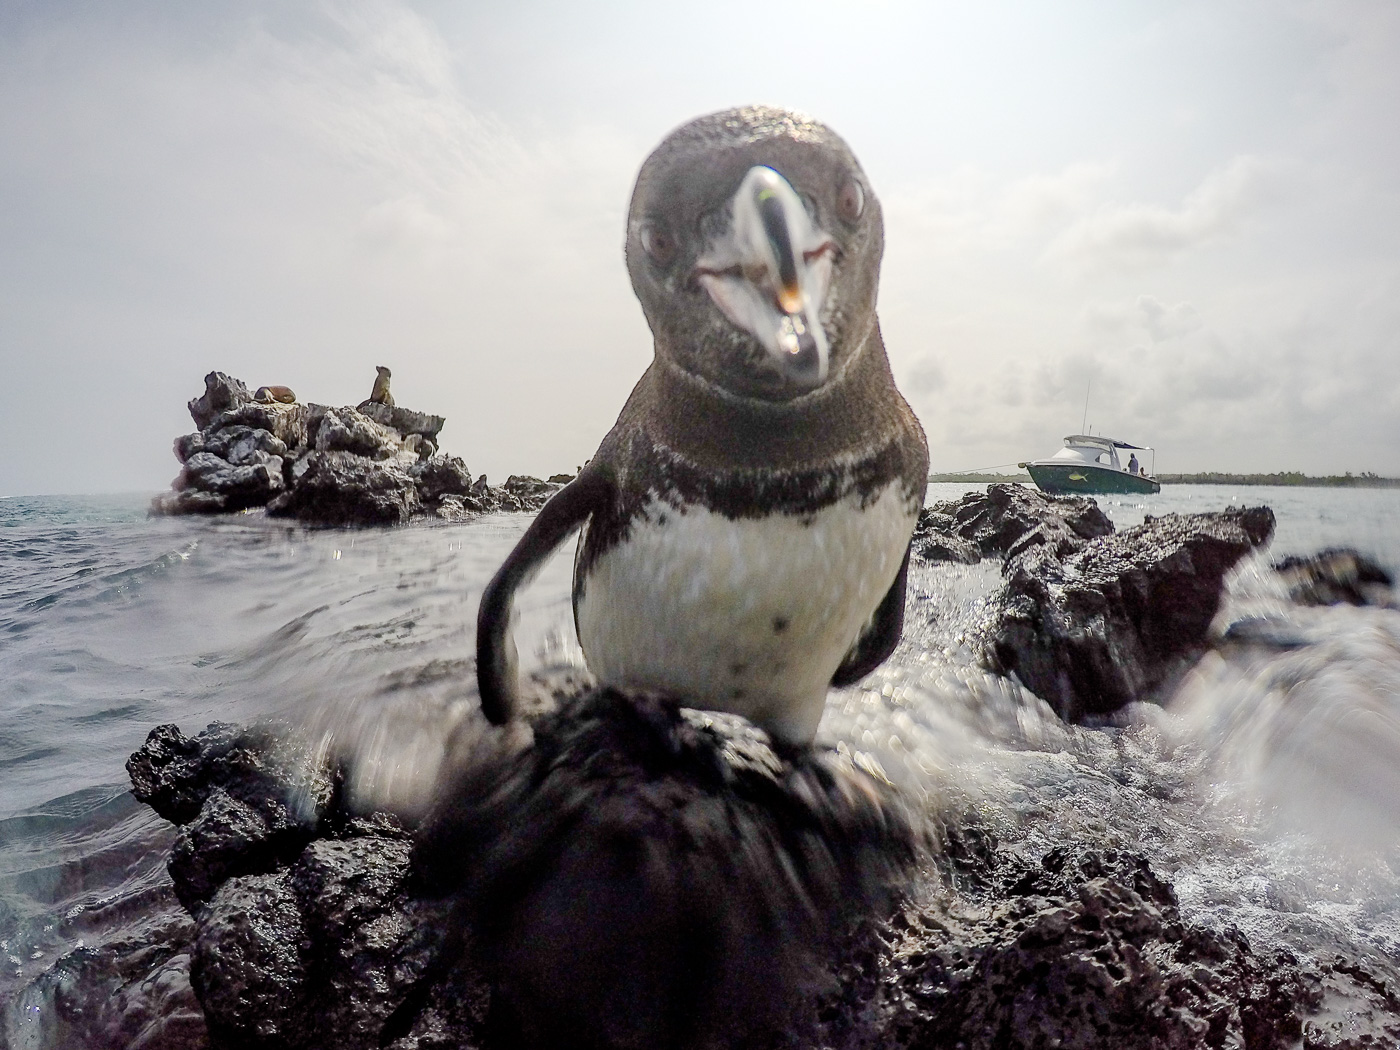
(1309, 734)
(1268, 790)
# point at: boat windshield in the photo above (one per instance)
(1106, 457)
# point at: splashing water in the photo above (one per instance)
(1267, 790)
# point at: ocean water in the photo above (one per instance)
(1267, 787)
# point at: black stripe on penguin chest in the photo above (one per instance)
(657, 478)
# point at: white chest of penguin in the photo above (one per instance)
(748, 615)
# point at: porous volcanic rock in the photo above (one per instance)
(1119, 616)
(1081, 948)
(730, 873)
(371, 465)
(629, 874)
(1005, 520)
(342, 488)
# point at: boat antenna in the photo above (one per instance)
(1083, 421)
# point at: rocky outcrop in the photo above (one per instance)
(632, 875)
(1006, 520)
(1087, 618)
(1081, 948)
(1109, 621)
(372, 465)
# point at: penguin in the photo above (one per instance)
(380, 393)
(745, 525)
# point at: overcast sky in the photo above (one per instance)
(1195, 205)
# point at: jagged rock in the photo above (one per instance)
(404, 420)
(627, 874)
(228, 837)
(1117, 617)
(346, 430)
(242, 445)
(707, 839)
(286, 422)
(353, 898)
(221, 393)
(250, 965)
(340, 488)
(1336, 576)
(720, 853)
(250, 484)
(441, 476)
(522, 492)
(1082, 949)
(270, 771)
(373, 465)
(940, 546)
(1006, 520)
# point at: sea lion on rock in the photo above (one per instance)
(380, 394)
(269, 394)
(746, 522)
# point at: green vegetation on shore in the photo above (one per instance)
(1364, 480)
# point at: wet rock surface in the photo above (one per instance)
(625, 875)
(374, 464)
(129, 988)
(633, 875)
(1078, 948)
(1006, 520)
(1090, 619)
(1337, 576)
(1094, 626)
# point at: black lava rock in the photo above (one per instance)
(1081, 949)
(1006, 520)
(130, 989)
(341, 488)
(628, 875)
(251, 964)
(1118, 617)
(372, 465)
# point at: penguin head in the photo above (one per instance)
(754, 244)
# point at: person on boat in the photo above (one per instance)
(1133, 467)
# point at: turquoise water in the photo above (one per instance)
(112, 623)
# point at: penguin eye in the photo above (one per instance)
(850, 200)
(659, 245)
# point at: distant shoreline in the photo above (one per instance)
(1331, 481)
(1364, 480)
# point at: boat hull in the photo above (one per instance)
(1086, 479)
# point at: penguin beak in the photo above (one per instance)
(769, 273)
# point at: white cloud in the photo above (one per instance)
(1139, 236)
(1167, 322)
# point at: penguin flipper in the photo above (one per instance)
(496, 656)
(880, 636)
